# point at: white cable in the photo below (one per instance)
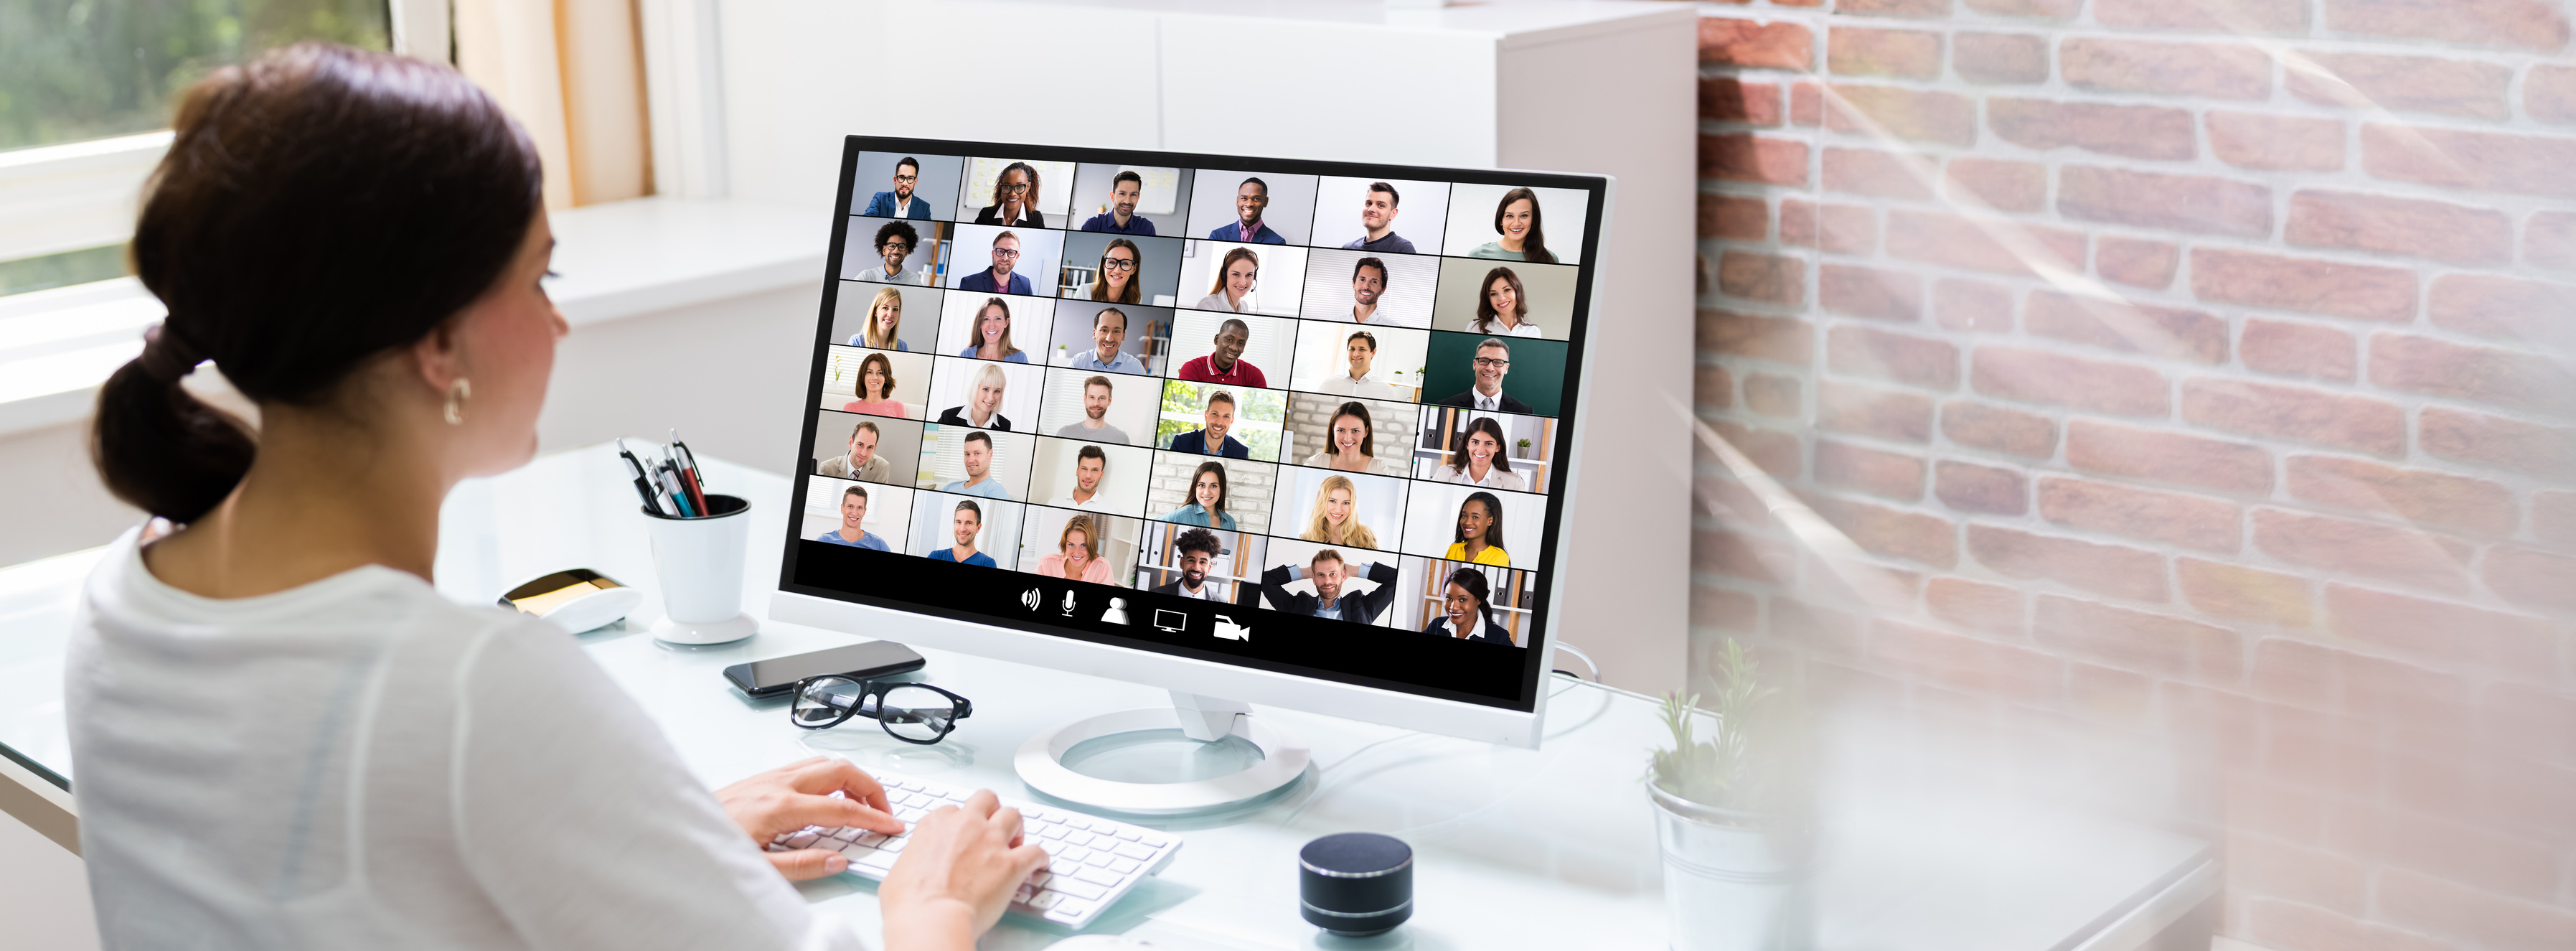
(1587, 658)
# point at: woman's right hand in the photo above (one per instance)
(959, 872)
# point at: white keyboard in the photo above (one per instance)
(1091, 862)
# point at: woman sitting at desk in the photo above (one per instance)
(876, 388)
(359, 241)
(1207, 500)
(1468, 610)
(1077, 553)
(992, 339)
(885, 319)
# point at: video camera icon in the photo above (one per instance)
(1226, 628)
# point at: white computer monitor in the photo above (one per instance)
(1272, 528)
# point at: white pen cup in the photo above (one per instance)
(700, 561)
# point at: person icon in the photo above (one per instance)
(1117, 613)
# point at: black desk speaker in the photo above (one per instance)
(1356, 883)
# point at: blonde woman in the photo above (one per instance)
(983, 407)
(992, 339)
(1336, 518)
(885, 320)
(1077, 553)
(1234, 279)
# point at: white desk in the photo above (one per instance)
(1550, 847)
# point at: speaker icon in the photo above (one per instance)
(1029, 599)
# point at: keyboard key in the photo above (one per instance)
(1053, 832)
(1044, 900)
(1129, 834)
(893, 845)
(1078, 889)
(1153, 841)
(801, 840)
(1125, 866)
(1024, 894)
(1096, 875)
(1068, 910)
(1134, 851)
(1041, 877)
(1073, 853)
(775, 847)
(869, 838)
(848, 833)
(875, 859)
(1099, 858)
(1063, 868)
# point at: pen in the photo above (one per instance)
(679, 496)
(689, 457)
(643, 486)
(687, 469)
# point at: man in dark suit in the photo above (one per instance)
(1218, 416)
(1199, 548)
(898, 203)
(1330, 572)
(1493, 362)
(998, 279)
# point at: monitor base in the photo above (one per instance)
(1283, 759)
(714, 632)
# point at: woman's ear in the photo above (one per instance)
(439, 357)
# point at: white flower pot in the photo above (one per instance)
(1730, 878)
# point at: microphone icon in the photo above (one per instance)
(1068, 602)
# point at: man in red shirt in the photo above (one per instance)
(1225, 365)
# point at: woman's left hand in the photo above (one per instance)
(799, 794)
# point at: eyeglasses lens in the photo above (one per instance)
(918, 714)
(823, 701)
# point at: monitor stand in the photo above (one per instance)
(1041, 761)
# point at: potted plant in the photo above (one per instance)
(1521, 450)
(1733, 836)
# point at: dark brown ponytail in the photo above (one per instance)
(318, 206)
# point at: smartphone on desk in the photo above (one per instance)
(777, 675)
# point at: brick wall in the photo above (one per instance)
(2192, 368)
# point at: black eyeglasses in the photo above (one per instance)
(1117, 264)
(913, 713)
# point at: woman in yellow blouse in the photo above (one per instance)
(1480, 532)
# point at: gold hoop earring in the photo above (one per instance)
(457, 393)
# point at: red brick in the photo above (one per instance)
(1997, 184)
(1806, 104)
(1835, 229)
(2295, 414)
(2553, 519)
(1762, 277)
(1994, 428)
(1833, 632)
(1869, 292)
(1975, 605)
(2504, 308)
(1734, 217)
(2212, 16)
(2526, 24)
(2297, 672)
(2212, 70)
(2147, 132)
(1857, 51)
(1784, 339)
(2139, 641)
(2425, 903)
(2377, 551)
(1738, 555)
(1893, 8)
(1892, 475)
(1745, 157)
(1975, 488)
(2188, 521)
(1974, 665)
(2284, 924)
(2404, 84)
(1712, 386)
(1971, 305)
(2259, 865)
(1731, 503)
(1877, 529)
(1747, 43)
(2548, 92)
(2289, 349)
(2503, 377)
(2500, 864)
(2136, 262)
(2473, 506)
(1771, 394)
(2148, 199)
(2037, 9)
(2169, 332)
(2490, 161)
(2276, 143)
(1982, 244)
(2245, 594)
(2000, 58)
(2531, 720)
(2533, 578)
(1867, 351)
(1730, 611)
(1842, 407)
(2168, 457)
(2442, 231)
(2546, 451)
(2114, 570)
(1892, 112)
(2041, 376)
(1872, 172)
(1728, 99)
(1775, 452)
(2550, 240)
(2103, 693)
(2358, 291)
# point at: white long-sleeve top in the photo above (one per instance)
(359, 762)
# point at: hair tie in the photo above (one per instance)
(164, 358)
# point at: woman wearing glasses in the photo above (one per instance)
(1116, 282)
(885, 322)
(1077, 553)
(895, 241)
(1015, 195)
(358, 241)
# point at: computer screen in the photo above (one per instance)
(1311, 418)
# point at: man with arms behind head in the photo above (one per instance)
(1361, 349)
(1121, 218)
(862, 461)
(898, 203)
(1198, 549)
(963, 524)
(1377, 218)
(1094, 426)
(1108, 333)
(854, 512)
(1331, 575)
(1089, 466)
(1249, 199)
(1493, 361)
(1211, 440)
(979, 480)
(998, 279)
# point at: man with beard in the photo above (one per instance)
(898, 203)
(1368, 283)
(1089, 465)
(1199, 548)
(1330, 573)
(1094, 426)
